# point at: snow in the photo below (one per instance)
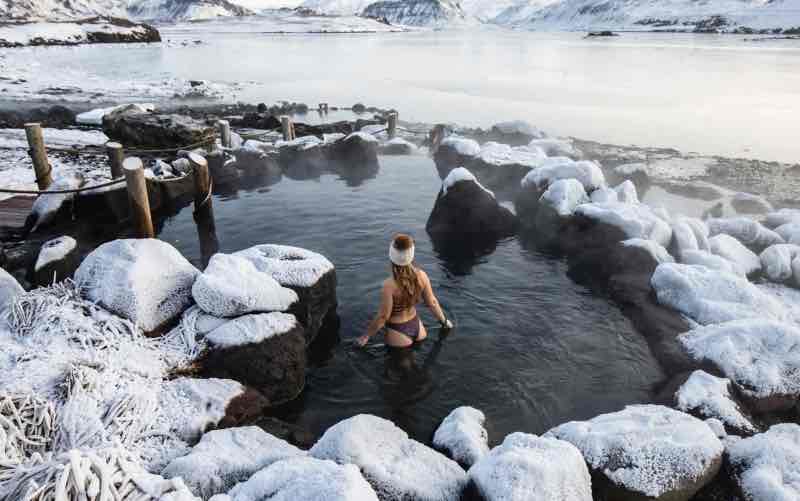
(750, 233)
(502, 154)
(526, 467)
(790, 232)
(634, 220)
(564, 195)
(337, 7)
(462, 436)
(9, 290)
(731, 249)
(290, 266)
(46, 207)
(458, 175)
(64, 32)
(54, 250)
(659, 253)
(711, 261)
(429, 13)
(768, 464)
(777, 262)
(231, 285)
(518, 127)
(648, 449)
(95, 116)
(626, 192)
(553, 147)
(304, 479)
(396, 466)
(760, 355)
(363, 136)
(782, 217)
(250, 329)
(585, 171)
(710, 396)
(604, 196)
(223, 458)
(462, 145)
(709, 296)
(144, 280)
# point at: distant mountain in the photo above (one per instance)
(679, 15)
(416, 12)
(149, 10)
(337, 7)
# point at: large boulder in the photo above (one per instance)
(396, 466)
(454, 151)
(587, 172)
(777, 262)
(760, 356)
(265, 350)
(57, 260)
(749, 232)
(226, 457)
(302, 158)
(232, 286)
(303, 479)
(132, 128)
(689, 234)
(462, 437)
(709, 296)
(781, 217)
(790, 232)
(466, 211)
(602, 225)
(728, 247)
(766, 467)
(309, 274)
(146, 281)
(710, 397)
(248, 163)
(645, 452)
(711, 261)
(356, 149)
(503, 167)
(530, 468)
(558, 203)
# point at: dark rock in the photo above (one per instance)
(58, 259)
(359, 108)
(255, 163)
(244, 409)
(146, 33)
(262, 108)
(257, 351)
(357, 149)
(292, 433)
(136, 129)
(56, 116)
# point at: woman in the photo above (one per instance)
(399, 298)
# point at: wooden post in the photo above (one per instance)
(391, 129)
(287, 127)
(137, 195)
(41, 166)
(225, 133)
(202, 180)
(116, 155)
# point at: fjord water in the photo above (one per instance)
(531, 348)
(712, 94)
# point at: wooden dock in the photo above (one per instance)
(14, 211)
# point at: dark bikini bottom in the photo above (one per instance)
(410, 328)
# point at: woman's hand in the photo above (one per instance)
(362, 341)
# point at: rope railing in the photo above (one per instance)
(63, 192)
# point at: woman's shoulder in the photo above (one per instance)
(421, 275)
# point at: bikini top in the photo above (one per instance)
(399, 306)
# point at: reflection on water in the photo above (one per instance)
(531, 349)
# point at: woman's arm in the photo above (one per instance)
(432, 302)
(383, 315)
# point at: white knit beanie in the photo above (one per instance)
(401, 257)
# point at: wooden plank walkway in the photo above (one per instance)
(14, 211)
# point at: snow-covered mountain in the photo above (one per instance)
(417, 12)
(337, 7)
(683, 15)
(148, 10)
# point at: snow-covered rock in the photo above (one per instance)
(562, 197)
(767, 466)
(689, 234)
(57, 260)
(397, 146)
(9, 290)
(711, 261)
(585, 171)
(782, 217)
(303, 479)
(499, 155)
(46, 207)
(709, 397)
(658, 252)
(95, 116)
(749, 203)
(462, 437)
(516, 131)
(396, 466)
(144, 280)
(604, 196)
(790, 232)
(93, 30)
(264, 350)
(232, 286)
(54, 250)
(554, 147)
(461, 145)
(526, 467)
(749, 232)
(626, 192)
(709, 296)
(731, 249)
(648, 450)
(632, 220)
(226, 457)
(776, 262)
(761, 356)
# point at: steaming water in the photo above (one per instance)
(532, 348)
(721, 95)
